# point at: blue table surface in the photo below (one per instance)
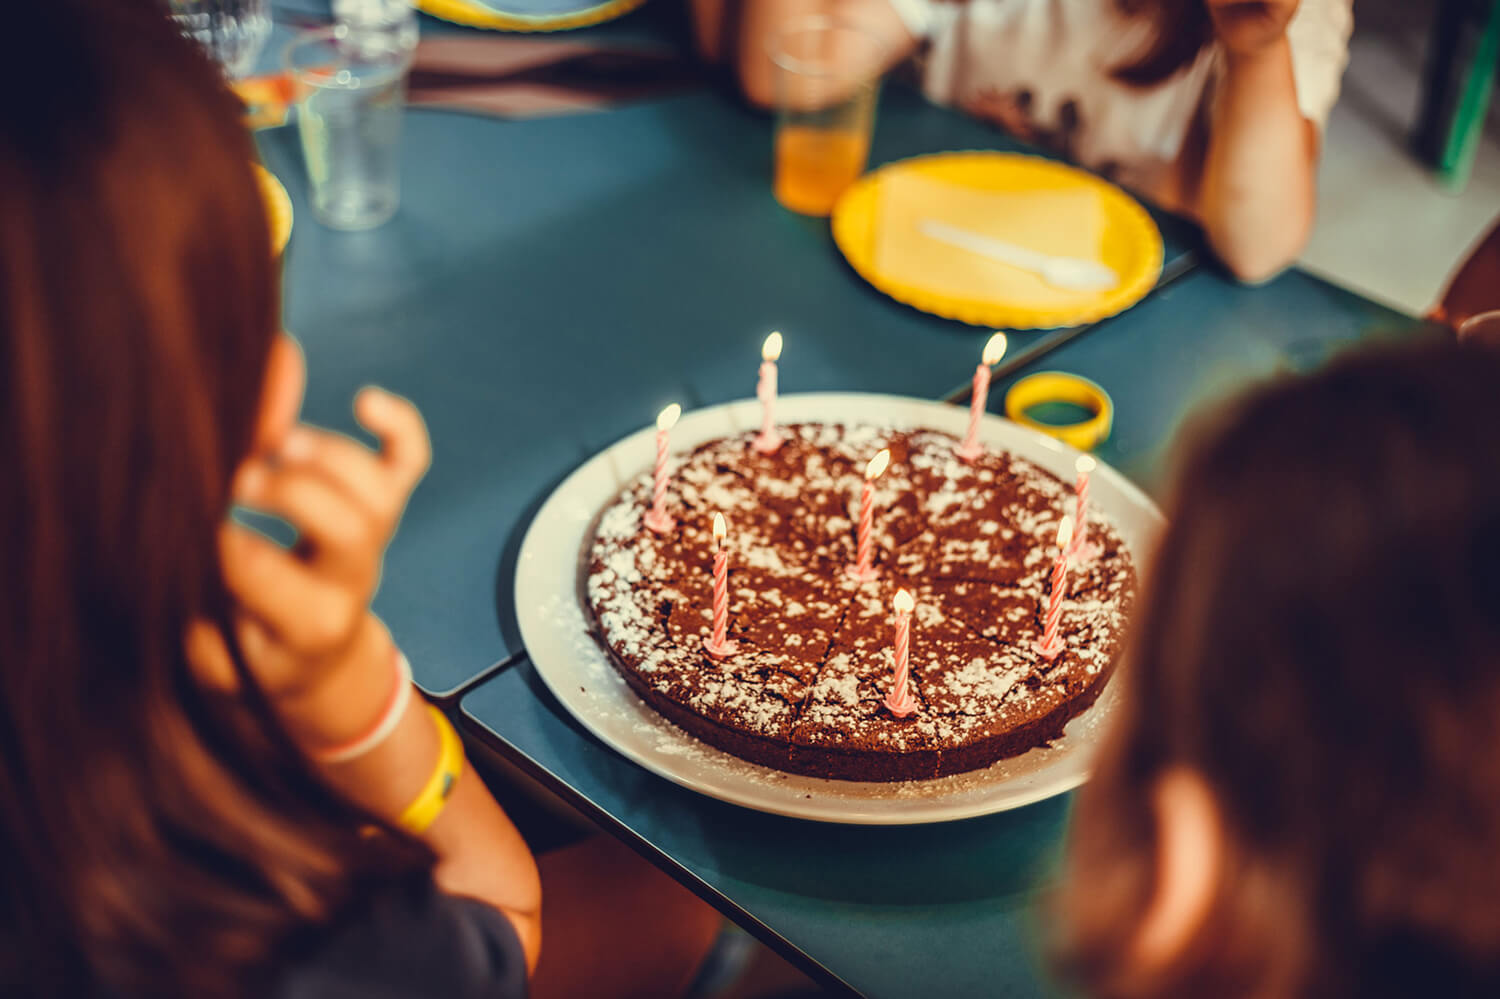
(941, 909)
(548, 285)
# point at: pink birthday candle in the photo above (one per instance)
(1084, 551)
(657, 518)
(899, 701)
(862, 570)
(979, 397)
(1051, 643)
(769, 439)
(717, 644)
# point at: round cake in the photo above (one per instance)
(973, 544)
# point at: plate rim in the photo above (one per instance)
(742, 415)
(995, 314)
(479, 14)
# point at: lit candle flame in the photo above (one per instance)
(771, 351)
(994, 350)
(1085, 464)
(721, 531)
(904, 603)
(877, 466)
(667, 418)
(1064, 532)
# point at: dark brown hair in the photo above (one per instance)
(156, 838)
(1322, 644)
(1180, 29)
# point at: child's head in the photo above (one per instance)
(144, 822)
(1301, 794)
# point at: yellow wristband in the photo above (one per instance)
(1056, 386)
(429, 802)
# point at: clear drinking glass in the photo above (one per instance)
(350, 89)
(233, 31)
(827, 77)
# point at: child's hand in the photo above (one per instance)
(1244, 27)
(305, 613)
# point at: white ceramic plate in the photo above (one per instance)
(555, 632)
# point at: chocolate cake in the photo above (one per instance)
(972, 543)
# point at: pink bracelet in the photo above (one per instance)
(383, 727)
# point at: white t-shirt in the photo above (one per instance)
(1041, 69)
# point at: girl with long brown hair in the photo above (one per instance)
(214, 777)
(1210, 108)
(1301, 793)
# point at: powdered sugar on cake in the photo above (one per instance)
(972, 544)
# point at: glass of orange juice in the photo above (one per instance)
(827, 77)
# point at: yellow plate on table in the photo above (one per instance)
(559, 17)
(278, 207)
(1027, 201)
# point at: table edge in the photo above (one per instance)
(494, 741)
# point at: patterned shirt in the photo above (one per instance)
(1041, 69)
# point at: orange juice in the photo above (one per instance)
(815, 165)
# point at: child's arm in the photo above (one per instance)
(1258, 193)
(328, 666)
(741, 31)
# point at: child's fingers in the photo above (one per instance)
(339, 535)
(212, 665)
(208, 657)
(404, 446)
(348, 464)
(299, 607)
(275, 668)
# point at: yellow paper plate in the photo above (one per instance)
(476, 15)
(278, 207)
(1127, 241)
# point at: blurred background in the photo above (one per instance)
(1390, 226)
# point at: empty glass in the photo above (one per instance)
(350, 89)
(233, 31)
(380, 15)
